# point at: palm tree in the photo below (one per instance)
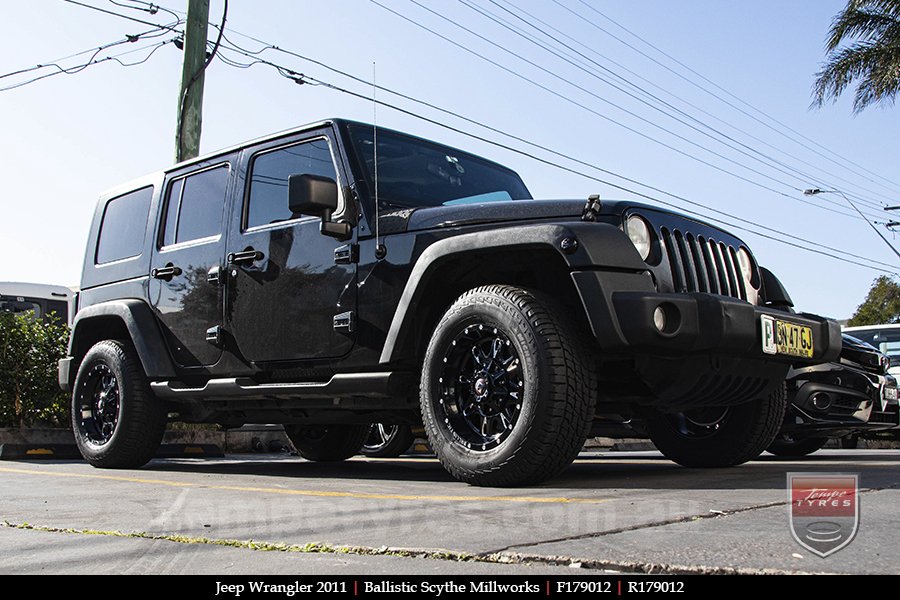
(871, 29)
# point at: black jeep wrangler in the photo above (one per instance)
(257, 285)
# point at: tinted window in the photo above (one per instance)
(17, 305)
(194, 206)
(123, 226)
(414, 172)
(268, 198)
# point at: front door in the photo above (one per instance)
(285, 285)
(185, 288)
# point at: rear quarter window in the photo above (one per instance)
(123, 226)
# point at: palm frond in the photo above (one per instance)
(859, 24)
(872, 29)
(877, 68)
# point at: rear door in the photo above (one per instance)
(286, 286)
(185, 280)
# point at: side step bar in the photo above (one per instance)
(346, 385)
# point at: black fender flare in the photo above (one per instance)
(143, 329)
(597, 245)
(774, 291)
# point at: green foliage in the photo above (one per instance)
(29, 351)
(881, 306)
(871, 56)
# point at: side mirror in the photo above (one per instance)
(316, 196)
(312, 195)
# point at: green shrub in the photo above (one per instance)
(29, 351)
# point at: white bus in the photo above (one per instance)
(40, 299)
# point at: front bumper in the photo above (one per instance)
(836, 399)
(621, 306)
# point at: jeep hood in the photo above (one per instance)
(487, 212)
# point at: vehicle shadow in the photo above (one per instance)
(591, 472)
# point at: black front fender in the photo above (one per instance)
(597, 245)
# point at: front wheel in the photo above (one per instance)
(507, 390)
(719, 436)
(118, 423)
(327, 443)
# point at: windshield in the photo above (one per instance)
(414, 172)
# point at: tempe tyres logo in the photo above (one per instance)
(824, 512)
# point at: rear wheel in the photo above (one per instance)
(388, 441)
(507, 388)
(327, 443)
(719, 436)
(788, 446)
(118, 424)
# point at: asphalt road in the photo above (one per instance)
(617, 511)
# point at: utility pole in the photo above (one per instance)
(190, 98)
(815, 191)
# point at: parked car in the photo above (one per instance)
(39, 299)
(260, 284)
(886, 338)
(843, 399)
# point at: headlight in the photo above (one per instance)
(639, 233)
(748, 270)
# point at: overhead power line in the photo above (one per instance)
(301, 78)
(96, 61)
(590, 110)
(836, 254)
(780, 128)
(121, 16)
(576, 54)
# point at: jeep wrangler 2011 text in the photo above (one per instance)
(248, 286)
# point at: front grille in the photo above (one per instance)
(701, 264)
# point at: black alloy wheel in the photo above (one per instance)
(721, 436)
(118, 423)
(699, 422)
(99, 401)
(388, 441)
(481, 386)
(508, 387)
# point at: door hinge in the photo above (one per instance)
(346, 254)
(214, 335)
(345, 322)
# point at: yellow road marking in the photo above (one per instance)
(314, 493)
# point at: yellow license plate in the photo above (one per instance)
(784, 337)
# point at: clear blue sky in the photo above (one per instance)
(69, 137)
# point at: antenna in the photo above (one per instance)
(380, 249)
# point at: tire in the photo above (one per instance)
(790, 447)
(117, 421)
(720, 436)
(327, 443)
(850, 442)
(387, 441)
(504, 350)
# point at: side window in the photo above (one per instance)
(267, 201)
(123, 226)
(194, 206)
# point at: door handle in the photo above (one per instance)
(166, 273)
(247, 256)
